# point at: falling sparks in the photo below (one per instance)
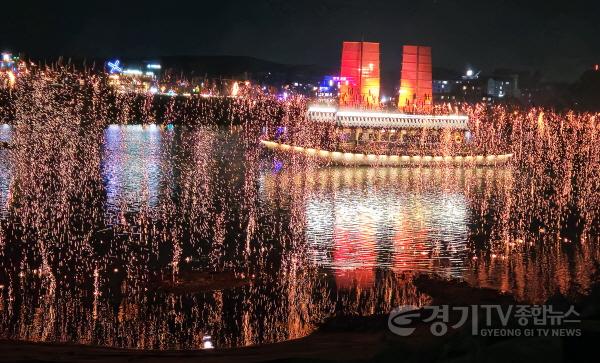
(540, 123)
(104, 196)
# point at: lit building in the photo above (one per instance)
(473, 86)
(497, 88)
(503, 86)
(415, 82)
(152, 68)
(442, 86)
(360, 69)
(10, 68)
(329, 87)
(7, 62)
(133, 77)
(308, 90)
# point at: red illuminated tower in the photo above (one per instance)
(415, 83)
(360, 74)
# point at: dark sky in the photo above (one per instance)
(560, 38)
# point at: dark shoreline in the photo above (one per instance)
(361, 339)
(138, 109)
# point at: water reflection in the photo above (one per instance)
(132, 165)
(92, 228)
(361, 219)
(5, 170)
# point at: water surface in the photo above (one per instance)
(89, 229)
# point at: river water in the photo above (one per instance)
(89, 232)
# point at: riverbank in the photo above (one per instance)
(363, 339)
(139, 108)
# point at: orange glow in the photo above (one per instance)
(415, 83)
(355, 249)
(11, 79)
(362, 278)
(360, 66)
(235, 89)
(410, 243)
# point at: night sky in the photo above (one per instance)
(559, 38)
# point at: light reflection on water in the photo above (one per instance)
(360, 219)
(318, 241)
(5, 172)
(132, 164)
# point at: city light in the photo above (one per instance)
(322, 109)
(207, 342)
(367, 114)
(115, 66)
(235, 89)
(134, 72)
(11, 79)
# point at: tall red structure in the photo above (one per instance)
(415, 82)
(360, 69)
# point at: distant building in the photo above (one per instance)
(473, 86)
(500, 87)
(302, 89)
(7, 62)
(442, 86)
(11, 66)
(504, 83)
(138, 77)
(329, 87)
(152, 68)
(11, 62)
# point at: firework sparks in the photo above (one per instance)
(105, 195)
